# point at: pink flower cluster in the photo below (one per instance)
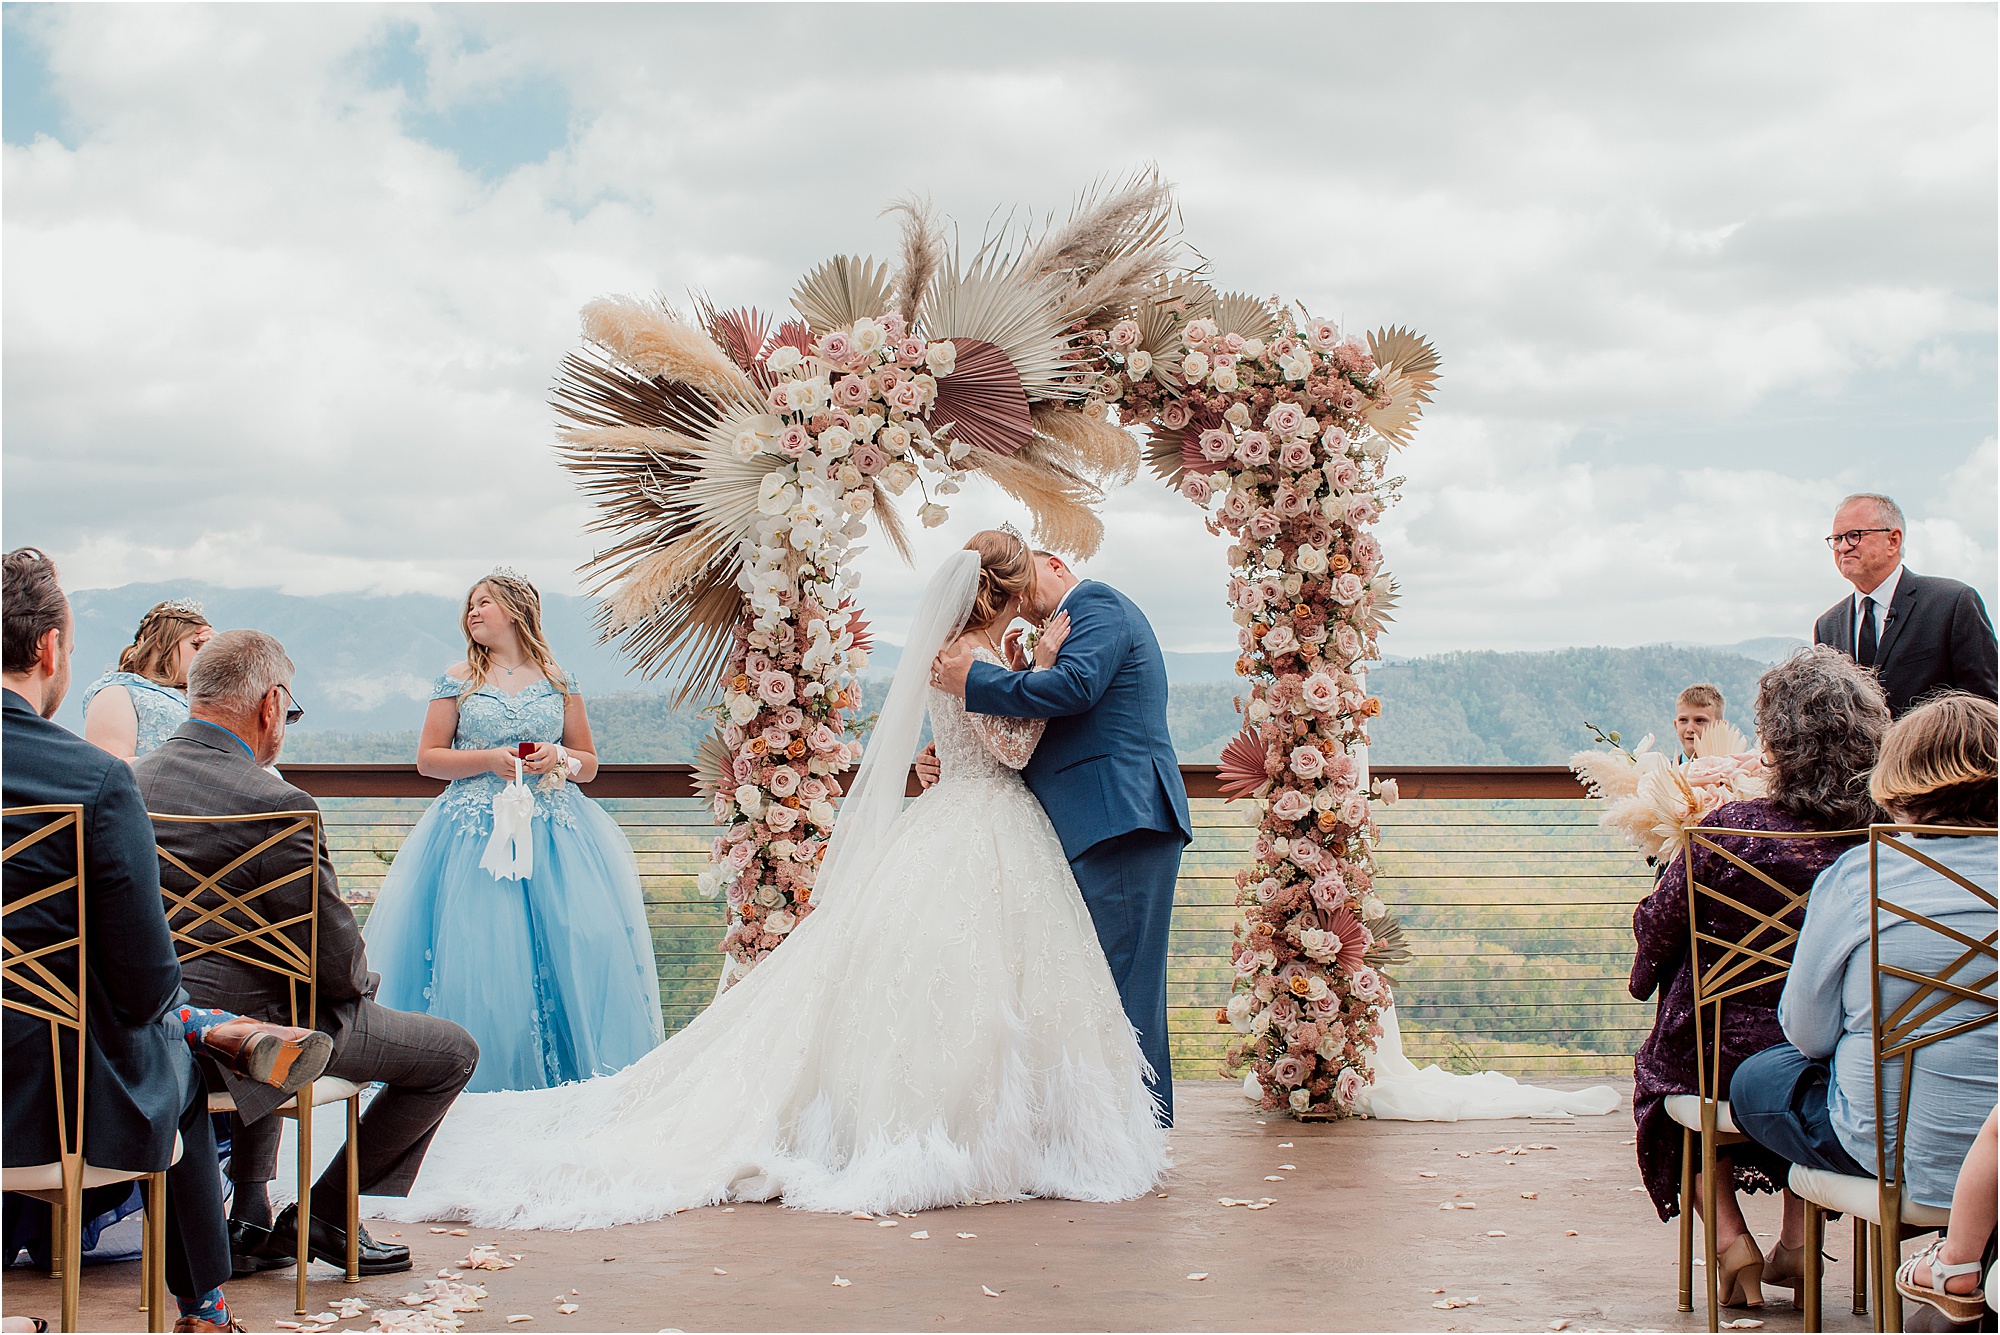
(1274, 445)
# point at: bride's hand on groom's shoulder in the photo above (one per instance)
(1050, 642)
(1017, 658)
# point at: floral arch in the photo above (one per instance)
(736, 461)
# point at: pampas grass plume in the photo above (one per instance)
(651, 341)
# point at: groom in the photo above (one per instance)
(1107, 775)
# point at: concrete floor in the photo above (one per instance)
(1356, 1241)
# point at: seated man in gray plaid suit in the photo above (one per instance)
(240, 700)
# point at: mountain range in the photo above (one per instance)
(366, 661)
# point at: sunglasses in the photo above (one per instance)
(296, 711)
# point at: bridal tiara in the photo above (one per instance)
(179, 607)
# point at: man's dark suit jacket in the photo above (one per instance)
(1935, 637)
(139, 1069)
(203, 770)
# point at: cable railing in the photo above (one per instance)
(1517, 906)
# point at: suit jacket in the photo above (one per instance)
(1935, 637)
(138, 1070)
(202, 770)
(1106, 764)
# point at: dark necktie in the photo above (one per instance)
(1864, 649)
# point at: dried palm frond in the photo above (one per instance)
(1166, 453)
(1088, 445)
(1720, 738)
(1060, 501)
(594, 391)
(841, 291)
(1390, 948)
(745, 334)
(1353, 939)
(982, 400)
(923, 251)
(713, 768)
(1115, 245)
(1387, 595)
(1408, 367)
(651, 339)
(1240, 313)
(994, 300)
(1243, 768)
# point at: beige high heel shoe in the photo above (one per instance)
(1739, 1280)
(1786, 1268)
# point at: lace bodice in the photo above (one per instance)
(979, 745)
(160, 709)
(488, 718)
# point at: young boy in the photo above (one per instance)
(1698, 706)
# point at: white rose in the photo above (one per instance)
(1238, 415)
(848, 476)
(894, 439)
(835, 441)
(750, 800)
(742, 708)
(1311, 559)
(1225, 380)
(781, 818)
(821, 814)
(1253, 348)
(781, 360)
(1241, 1007)
(1139, 364)
(1299, 1099)
(859, 501)
(1260, 711)
(898, 476)
(780, 922)
(941, 357)
(932, 515)
(1372, 909)
(1195, 366)
(1334, 507)
(869, 336)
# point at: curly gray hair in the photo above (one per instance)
(1822, 718)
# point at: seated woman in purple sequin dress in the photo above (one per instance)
(1820, 720)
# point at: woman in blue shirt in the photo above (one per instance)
(130, 711)
(1812, 1099)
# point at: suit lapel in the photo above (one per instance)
(1899, 616)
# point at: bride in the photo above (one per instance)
(942, 1028)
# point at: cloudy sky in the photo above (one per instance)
(285, 287)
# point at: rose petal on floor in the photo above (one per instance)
(519, 1316)
(1569, 1232)
(1284, 1144)
(720, 1271)
(968, 1235)
(1495, 1233)
(840, 1283)
(1273, 1177)
(1742, 1323)
(922, 1235)
(859, 1214)
(988, 1292)
(1199, 1274)
(1530, 1195)
(1563, 1324)
(1288, 1168)
(1426, 1174)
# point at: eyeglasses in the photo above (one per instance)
(1852, 537)
(296, 711)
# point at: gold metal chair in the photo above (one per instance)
(1876, 1201)
(1722, 969)
(207, 917)
(38, 982)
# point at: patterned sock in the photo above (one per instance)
(196, 1021)
(209, 1307)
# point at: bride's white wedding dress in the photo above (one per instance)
(946, 1031)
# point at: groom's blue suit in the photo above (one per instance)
(1106, 773)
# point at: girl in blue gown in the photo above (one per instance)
(553, 972)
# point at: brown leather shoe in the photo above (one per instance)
(271, 1054)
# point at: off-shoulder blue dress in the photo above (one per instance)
(553, 974)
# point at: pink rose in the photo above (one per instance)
(870, 459)
(1245, 963)
(1125, 335)
(1290, 504)
(1288, 1071)
(781, 818)
(1347, 642)
(852, 391)
(1366, 551)
(1175, 415)
(776, 688)
(719, 808)
(1334, 440)
(909, 396)
(812, 790)
(792, 441)
(1196, 488)
(1329, 892)
(1320, 692)
(784, 781)
(1214, 445)
(1246, 640)
(1280, 640)
(1341, 770)
(1347, 589)
(777, 399)
(1236, 506)
(838, 347)
(1296, 455)
(1363, 511)
(910, 351)
(1354, 809)
(1347, 1087)
(893, 326)
(1285, 419)
(1265, 524)
(1250, 598)
(740, 855)
(1254, 448)
(1323, 335)
(776, 738)
(1232, 343)
(1343, 475)
(1260, 847)
(757, 663)
(1308, 762)
(790, 719)
(1291, 805)
(1367, 984)
(1305, 855)
(824, 739)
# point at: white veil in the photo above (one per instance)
(875, 799)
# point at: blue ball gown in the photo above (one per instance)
(553, 974)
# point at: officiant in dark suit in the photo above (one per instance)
(1922, 634)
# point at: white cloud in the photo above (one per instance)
(257, 332)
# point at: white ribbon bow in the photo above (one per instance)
(510, 854)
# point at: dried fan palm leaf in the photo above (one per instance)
(1353, 939)
(982, 400)
(1408, 369)
(1240, 313)
(1167, 451)
(1163, 309)
(858, 627)
(1095, 448)
(841, 291)
(1391, 947)
(745, 334)
(650, 339)
(1059, 501)
(712, 768)
(923, 251)
(1241, 770)
(594, 391)
(1720, 738)
(994, 301)
(1387, 595)
(791, 334)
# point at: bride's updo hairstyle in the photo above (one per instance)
(1006, 570)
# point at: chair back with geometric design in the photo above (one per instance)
(49, 980)
(1966, 982)
(211, 918)
(1723, 968)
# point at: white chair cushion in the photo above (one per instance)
(1858, 1196)
(47, 1177)
(326, 1089)
(1686, 1109)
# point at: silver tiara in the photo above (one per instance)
(1008, 528)
(506, 572)
(180, 607)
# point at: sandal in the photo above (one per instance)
(1956, 1307)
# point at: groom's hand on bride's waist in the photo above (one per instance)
(949, 669)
